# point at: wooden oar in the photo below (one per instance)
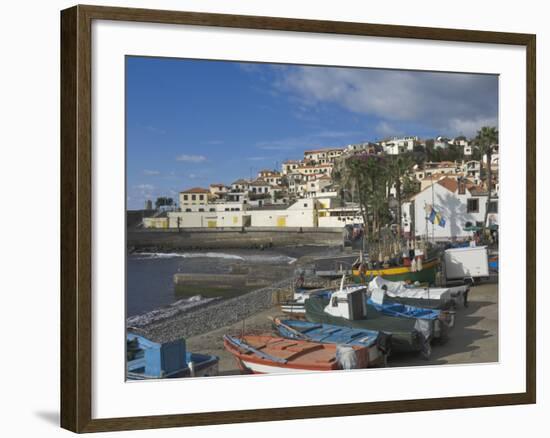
(290, 329)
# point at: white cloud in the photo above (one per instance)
(149, 172)
(436, 100)
(145, 187)
(260, 158)
(191, 158)
(317, 139)
(386, 129)
(470, 127)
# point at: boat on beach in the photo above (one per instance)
(348, 307)
(425, 297)
(147, 359)
(399, 273)
(377, 343)
(295, 307)
(266, 354)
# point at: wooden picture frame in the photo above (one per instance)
(76, 217)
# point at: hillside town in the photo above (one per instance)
(446, 190)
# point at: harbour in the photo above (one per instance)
(205, 321)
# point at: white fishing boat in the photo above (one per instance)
(440, 297)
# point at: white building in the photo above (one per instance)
(272, 177)
(472, 170)
(323, 156)
(441, 143)
(302, 213)
(241, 185)
(218, 190)
(316, 186)
(289, 166)
(397, 145)
(460, 203)
(195, 199)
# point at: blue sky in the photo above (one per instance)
(192, 122)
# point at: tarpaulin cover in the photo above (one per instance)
(405, 337)
(405, 311)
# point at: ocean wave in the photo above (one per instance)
(169, 311)
(252, 258)
(187, 255)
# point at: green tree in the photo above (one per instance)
(398, 168)
(364, 177)
(487, 137)
(163, 201)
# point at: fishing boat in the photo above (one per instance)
(348, 307)
(377, 343)
(440, 320)
(426, 274)
(443, 298)
(295, 307)
(147, 359)
(266, 354)
(493, 263)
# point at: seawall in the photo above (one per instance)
(173, 239)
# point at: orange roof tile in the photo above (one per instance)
(196, 190)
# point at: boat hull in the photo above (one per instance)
(400, 273)
(405, 337)
(274, 355)
(378, 344)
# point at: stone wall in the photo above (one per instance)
(159, 240)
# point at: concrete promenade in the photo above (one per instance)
(172, 239)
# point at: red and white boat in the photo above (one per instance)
(266, 354)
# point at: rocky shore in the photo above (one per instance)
(214, 315)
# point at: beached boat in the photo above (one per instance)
(377, 343)
(424, 297)
(295, 307)
(399, 273)
(440, 320)
(147, 359)
(348, 307)
(270, 354)
(493, 263)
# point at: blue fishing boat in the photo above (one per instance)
(147, 359)
(378, 343)
(440, 320)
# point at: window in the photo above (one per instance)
(201, 197)
(212, 209)
(185, 197)
(188, 209)
(493, 207)
(201, 209)
(305, 205)
(472, 205)
(193, 197)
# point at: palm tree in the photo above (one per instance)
(485, 139)
(363, 176)
(398, 168)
